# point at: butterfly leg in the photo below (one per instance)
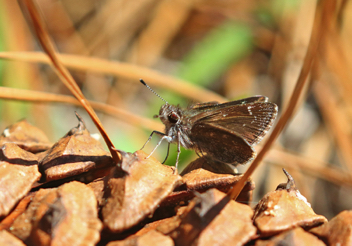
(150, 137)
(167, 155)
(165, 137)
(178, 150)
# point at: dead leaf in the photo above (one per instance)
(165, 226)
(75, 153)
(66, 216)
(15, 180)
(213, 219)
(26, 136)
(338, 231)
(282, 210)
(7, 238)
(23, 224)
(151, 238)
(98, 188)
(296, 236)
(13, 154)
(17, 211)
(201, 180)
(136, 194)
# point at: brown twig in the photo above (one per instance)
(64, 74)
(334, 54)
(123, 70)
(286, 116)
(311, 167)
(45, 97)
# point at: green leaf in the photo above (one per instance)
(222, 47)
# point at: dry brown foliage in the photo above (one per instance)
(68, 190)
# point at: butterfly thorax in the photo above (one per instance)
(177, 127)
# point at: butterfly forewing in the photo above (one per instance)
(250, 121)
(202, 110)
(210, 105)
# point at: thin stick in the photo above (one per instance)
(129, 71)
(302, 80)
(46, 97)
(64, 74)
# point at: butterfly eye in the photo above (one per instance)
(173, 117)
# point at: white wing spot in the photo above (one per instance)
(249, 110)
(7, 132)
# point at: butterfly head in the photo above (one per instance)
(169, 114)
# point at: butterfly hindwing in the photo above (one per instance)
(221, 145)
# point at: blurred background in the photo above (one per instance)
(208, 50)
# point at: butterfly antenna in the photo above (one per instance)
(142, 81)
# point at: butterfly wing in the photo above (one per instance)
(209, 105)
(229, 130)
(249, 121)
(221, 144)
(202, 110)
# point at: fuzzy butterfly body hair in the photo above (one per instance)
(225, 132)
